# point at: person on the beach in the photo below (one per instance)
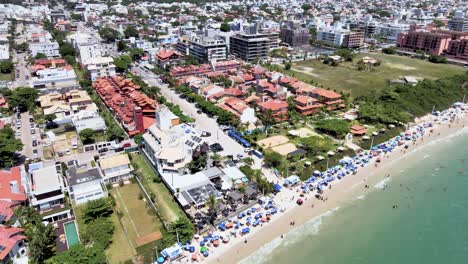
(281, 235)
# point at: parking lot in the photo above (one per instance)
(29, 134)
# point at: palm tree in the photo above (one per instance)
(212, 204)
(216, 158)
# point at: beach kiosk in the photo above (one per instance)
(172, 252)
(291, 180)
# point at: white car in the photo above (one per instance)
(18, 133)
(67, 151)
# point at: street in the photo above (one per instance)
(27, 138)
(202, 121)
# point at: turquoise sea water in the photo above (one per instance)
(430, 224)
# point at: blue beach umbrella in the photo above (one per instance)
(160, 260)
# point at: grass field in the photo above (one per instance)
(346, 77)
(164, 201)
(6, 76)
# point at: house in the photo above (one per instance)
(12, 185)
(307, 105)
(278, 108)
(165, 57)
(65, 105)
(12, 244)
(55, 79)
(88, 119)
(116, 168)
(240, 108)
(358, 130)
(47, 194)
(85, 184)
(44, 43)
(100, 67)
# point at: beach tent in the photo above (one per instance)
(172, 252)
(291, 180)
(160, 260)
(346, 160)
(277, 187)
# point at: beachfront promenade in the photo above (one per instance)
(324, 191)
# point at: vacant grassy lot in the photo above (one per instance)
(134, 214)
(6, 77)
(346, 77)
(164, 201)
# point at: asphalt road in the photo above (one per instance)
(27, 138)
(202, 121)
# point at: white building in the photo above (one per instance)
(333, 34)
(170, 147)
(47, 194)
(390, 31)
(4, 51)
(100, 67)
(49, 48)
(55, 79)
(85, 184)
(88, 119)
(116, 168)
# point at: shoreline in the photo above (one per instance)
(342, 192)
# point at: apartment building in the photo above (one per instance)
(459, 22)
(294, 34)
(433, 42)
(353, 40)
(43, 43)
(457, 49)
(251, 44)
(55, 79)
(390, 31)
(205, 46)
(100, 67)
(47, 194)
(339, 36)
(116, 168)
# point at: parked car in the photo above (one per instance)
(216, 147)
(126, 145)
(18, 133)
(34, 143)
(103, 150)
(205, 134)
(67, 151)
(199, 111)
(33, 131)
(60, 154)
(35, 152)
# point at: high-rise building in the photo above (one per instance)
(205, 46)
(459, 22)
(434, 42)
(294, 34)
(252, 44)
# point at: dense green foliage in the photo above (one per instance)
(122, 62)
(316, 145)
(6, 66)
(8, 146)
(95, 209)
(40, 237)
(256, 176)
(390, 50)
(437, 59)
(87, 135)
(273, 159)
(79, 254)
(108, 34)
(403, 102)
(98, 232)
(334, 127)
(131, 31)
(23, 98)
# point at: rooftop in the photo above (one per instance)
(9, 179)
(46, 180)
(114, 161)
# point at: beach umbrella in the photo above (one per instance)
(191, 249)
(160, 260)
(299, 201)
(216, 242)
(206, 254)
(194, 256)
(203, 249)
(202, 243)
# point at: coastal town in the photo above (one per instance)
(199, 131)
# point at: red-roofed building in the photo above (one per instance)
(165, 57)
(278, 108)
(11, 188)
(203, 69)
(307, 105)
(11, 243)
(358, 130)
(127, 103)
(7, 211)
(3, 102)
(240, 108)
(332, 100)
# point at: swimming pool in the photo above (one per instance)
(71, 233)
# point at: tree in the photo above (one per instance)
(346, 54)
(23, 98)
(41, 237)
(213, 207)
(287, 66)
(87, 135)
(131, 31)
(122, 63)
(273, 159)
(136, 53)
(95, 209)
(390, 50)
(40, 56)
(79, 254)
(267, 118)
(316, 145)
(98, 232)
(67, 49)
(108, 34)
(225, 27)
(6, 66)
(438, 23)
(70, 59)
(121, 45)
(437, 59)
(9, 145)
(335, 127)
(23, 47)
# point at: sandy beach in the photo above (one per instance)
(341, 193)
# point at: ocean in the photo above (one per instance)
(429, 224)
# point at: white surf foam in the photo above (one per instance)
(381, 184)
(311, 227)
